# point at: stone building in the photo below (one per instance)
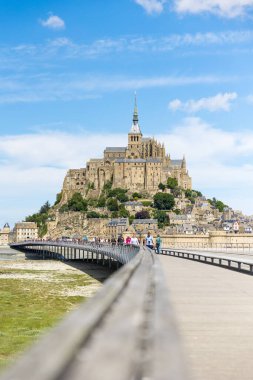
(5, 235)
(116, 227)
(25, 231)
(143, 226)
(139, 167)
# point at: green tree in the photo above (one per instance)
(161, 186)
(172, 183)
(101, 202)
(123, 213)
(136, 195)
(144, 214)
(112, 204)
(77, 203)
(162, 218)
(58, 198)
(45, 208)
(92, 214)
(163, 201)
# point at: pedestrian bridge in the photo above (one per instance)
(180, 315)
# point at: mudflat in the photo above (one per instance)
(36, 294)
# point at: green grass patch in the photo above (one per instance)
(30, 306)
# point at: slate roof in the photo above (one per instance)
(144, 221)
(137, 160)
(176, 162)
(115, 149)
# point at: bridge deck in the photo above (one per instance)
(214, 309)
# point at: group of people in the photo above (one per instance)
(148, 241)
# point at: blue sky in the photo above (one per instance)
(68, 72)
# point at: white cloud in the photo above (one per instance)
(53, 22)
(225, 8)
(219, 102)
(40, 88)
(151, 6)
(218, 161)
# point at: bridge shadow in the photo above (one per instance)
(98, 271)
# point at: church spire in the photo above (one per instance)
(135, 126)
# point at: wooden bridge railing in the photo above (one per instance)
(125, 332)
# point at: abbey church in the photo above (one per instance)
(139, 167)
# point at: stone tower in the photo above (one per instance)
(135, 136)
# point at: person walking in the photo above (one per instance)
(158, 244)
(134, 240)
(149, 241)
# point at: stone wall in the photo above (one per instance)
(75, 224)
(213, 239)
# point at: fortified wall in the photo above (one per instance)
(213, 239)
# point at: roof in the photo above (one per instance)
(138, 160)
(132, 203)
(26, 225)
(115, 149)
(146, 139)
(176, 162)
(145, 221)
(118, 222)
(130, 160)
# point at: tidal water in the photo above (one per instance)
(7, 253)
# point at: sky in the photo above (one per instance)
(68, 74)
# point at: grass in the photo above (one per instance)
(30, 306)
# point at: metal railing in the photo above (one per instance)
(64, 250)
(224, 247)
(126, 331)
(229, 262)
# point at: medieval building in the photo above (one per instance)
(139, 167)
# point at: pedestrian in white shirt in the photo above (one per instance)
(149, 241)
(134, 240)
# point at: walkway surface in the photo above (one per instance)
(214, 311)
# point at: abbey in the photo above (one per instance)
(139, 167)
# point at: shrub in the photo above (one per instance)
(123, 213)
(161, 186)
(172, 183)
(162, 217)
(144, 214)
(77, 203)
(163, 201)
(93, 214)
(58, 198)
(136, 196)
(112, 204)
(101, 202)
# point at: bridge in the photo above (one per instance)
(180, 315)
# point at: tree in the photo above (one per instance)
(58, 198)
(162, 218)
(163, 201)
(119, 194)
(161, 186)
(45, 208)
(112, 204)
(123, 213)
(93, 214)
(101, 202)
(172, 183)
(136, 196)
(144, 214)
(77, 203)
